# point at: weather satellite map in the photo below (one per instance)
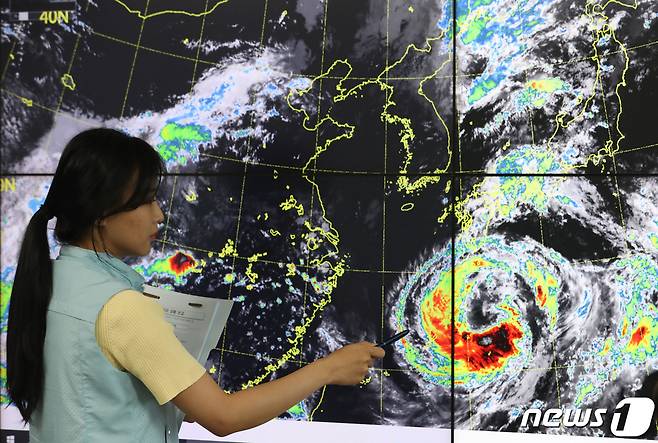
(346, 169)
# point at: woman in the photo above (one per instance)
(89, 359)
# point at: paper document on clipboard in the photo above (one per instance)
(198, 321)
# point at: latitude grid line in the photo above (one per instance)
(268, 358)
(303, 266)
(283, 264)
(473, 172)
(463, 173)
(398, 369)
(349, 269)
(293, 74)
(207, 62)
(360, 270)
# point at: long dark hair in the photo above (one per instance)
(89, 184)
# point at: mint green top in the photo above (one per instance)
(85, 398)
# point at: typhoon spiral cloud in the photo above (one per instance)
(532, 327)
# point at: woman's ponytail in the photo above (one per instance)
(26, 329)
(89, 184)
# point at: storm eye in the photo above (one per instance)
(485, 341)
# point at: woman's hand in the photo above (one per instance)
(349, 365)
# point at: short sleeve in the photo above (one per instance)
(134, 335)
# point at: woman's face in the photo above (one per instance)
(131, 233)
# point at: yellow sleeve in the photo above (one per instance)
(133, 334)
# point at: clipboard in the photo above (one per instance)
(198, 321)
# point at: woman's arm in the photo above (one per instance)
(223, 414)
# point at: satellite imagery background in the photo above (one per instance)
(337, 172)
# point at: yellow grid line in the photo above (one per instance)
(400, 370)
(166, 228)
(315, 162)
(262, 29)
(132, 68)
(10, 56)
(459, 152)
(173, 189)
(273, 165)
(294, 74)
(383, 291)
(68, 73)
(331, 171)
(230, 288)
(246, 354)
(68, 70)
(594, 260)
(461, 195)
(420, 77)
(275, 262)
(557, 378)
(237, 227)
(198, 48)
(147, 48)
(614, 162)
(625, 151)
(47, 108)
(237, 233)
(607, 54)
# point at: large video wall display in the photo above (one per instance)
(483, 173)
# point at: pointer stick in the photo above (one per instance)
(393, 339)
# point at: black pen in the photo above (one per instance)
(393, 339)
